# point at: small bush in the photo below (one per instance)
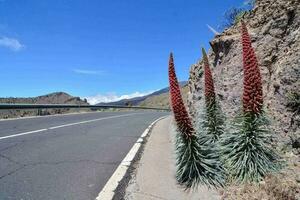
(233, 16)
(274, 187)
(249, 3)
(294, 102)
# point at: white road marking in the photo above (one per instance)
(25, 133)
(108, 191)
(53, 115)
(65, 125)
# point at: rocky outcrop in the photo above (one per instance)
(274, 27)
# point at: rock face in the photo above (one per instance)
(274, 26)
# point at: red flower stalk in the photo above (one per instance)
(180, 113)
(253, 93)
(210, 96)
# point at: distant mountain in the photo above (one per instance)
(52, 98)
(163, 100)
(138, 100)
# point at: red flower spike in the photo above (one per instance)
(210, 96)
(180, 113)
(253, 93)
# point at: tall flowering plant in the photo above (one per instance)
(194, 164)
(213, 119)
(253, 92)
(183, 121)
(247, 151)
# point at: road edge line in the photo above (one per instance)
(66, 125)
(53, 115)
(108, 191)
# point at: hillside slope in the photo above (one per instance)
(162, 100)
(53, 98)
(159, 98)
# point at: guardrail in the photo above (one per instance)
(48, 106)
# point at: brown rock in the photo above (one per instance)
(274, 27)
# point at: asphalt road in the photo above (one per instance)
(66, 157)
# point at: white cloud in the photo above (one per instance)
(212, 30)
(11, 43)
(87, 72)
(111, 97)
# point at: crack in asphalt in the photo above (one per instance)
(11, 172)
(150, 195)
(11, 146)
(9, 159)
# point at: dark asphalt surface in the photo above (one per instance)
(72, 162)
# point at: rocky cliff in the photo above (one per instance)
(274, 26)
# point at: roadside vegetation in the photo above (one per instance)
(234, 15)
(236, 154)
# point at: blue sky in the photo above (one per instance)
(100, 48)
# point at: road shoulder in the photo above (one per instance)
(154, 177)
(116, 185)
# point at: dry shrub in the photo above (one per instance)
(278, 188)
(283, 186)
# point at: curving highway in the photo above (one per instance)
(66, 156)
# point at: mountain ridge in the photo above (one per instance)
(138, 100)
(51, 98)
